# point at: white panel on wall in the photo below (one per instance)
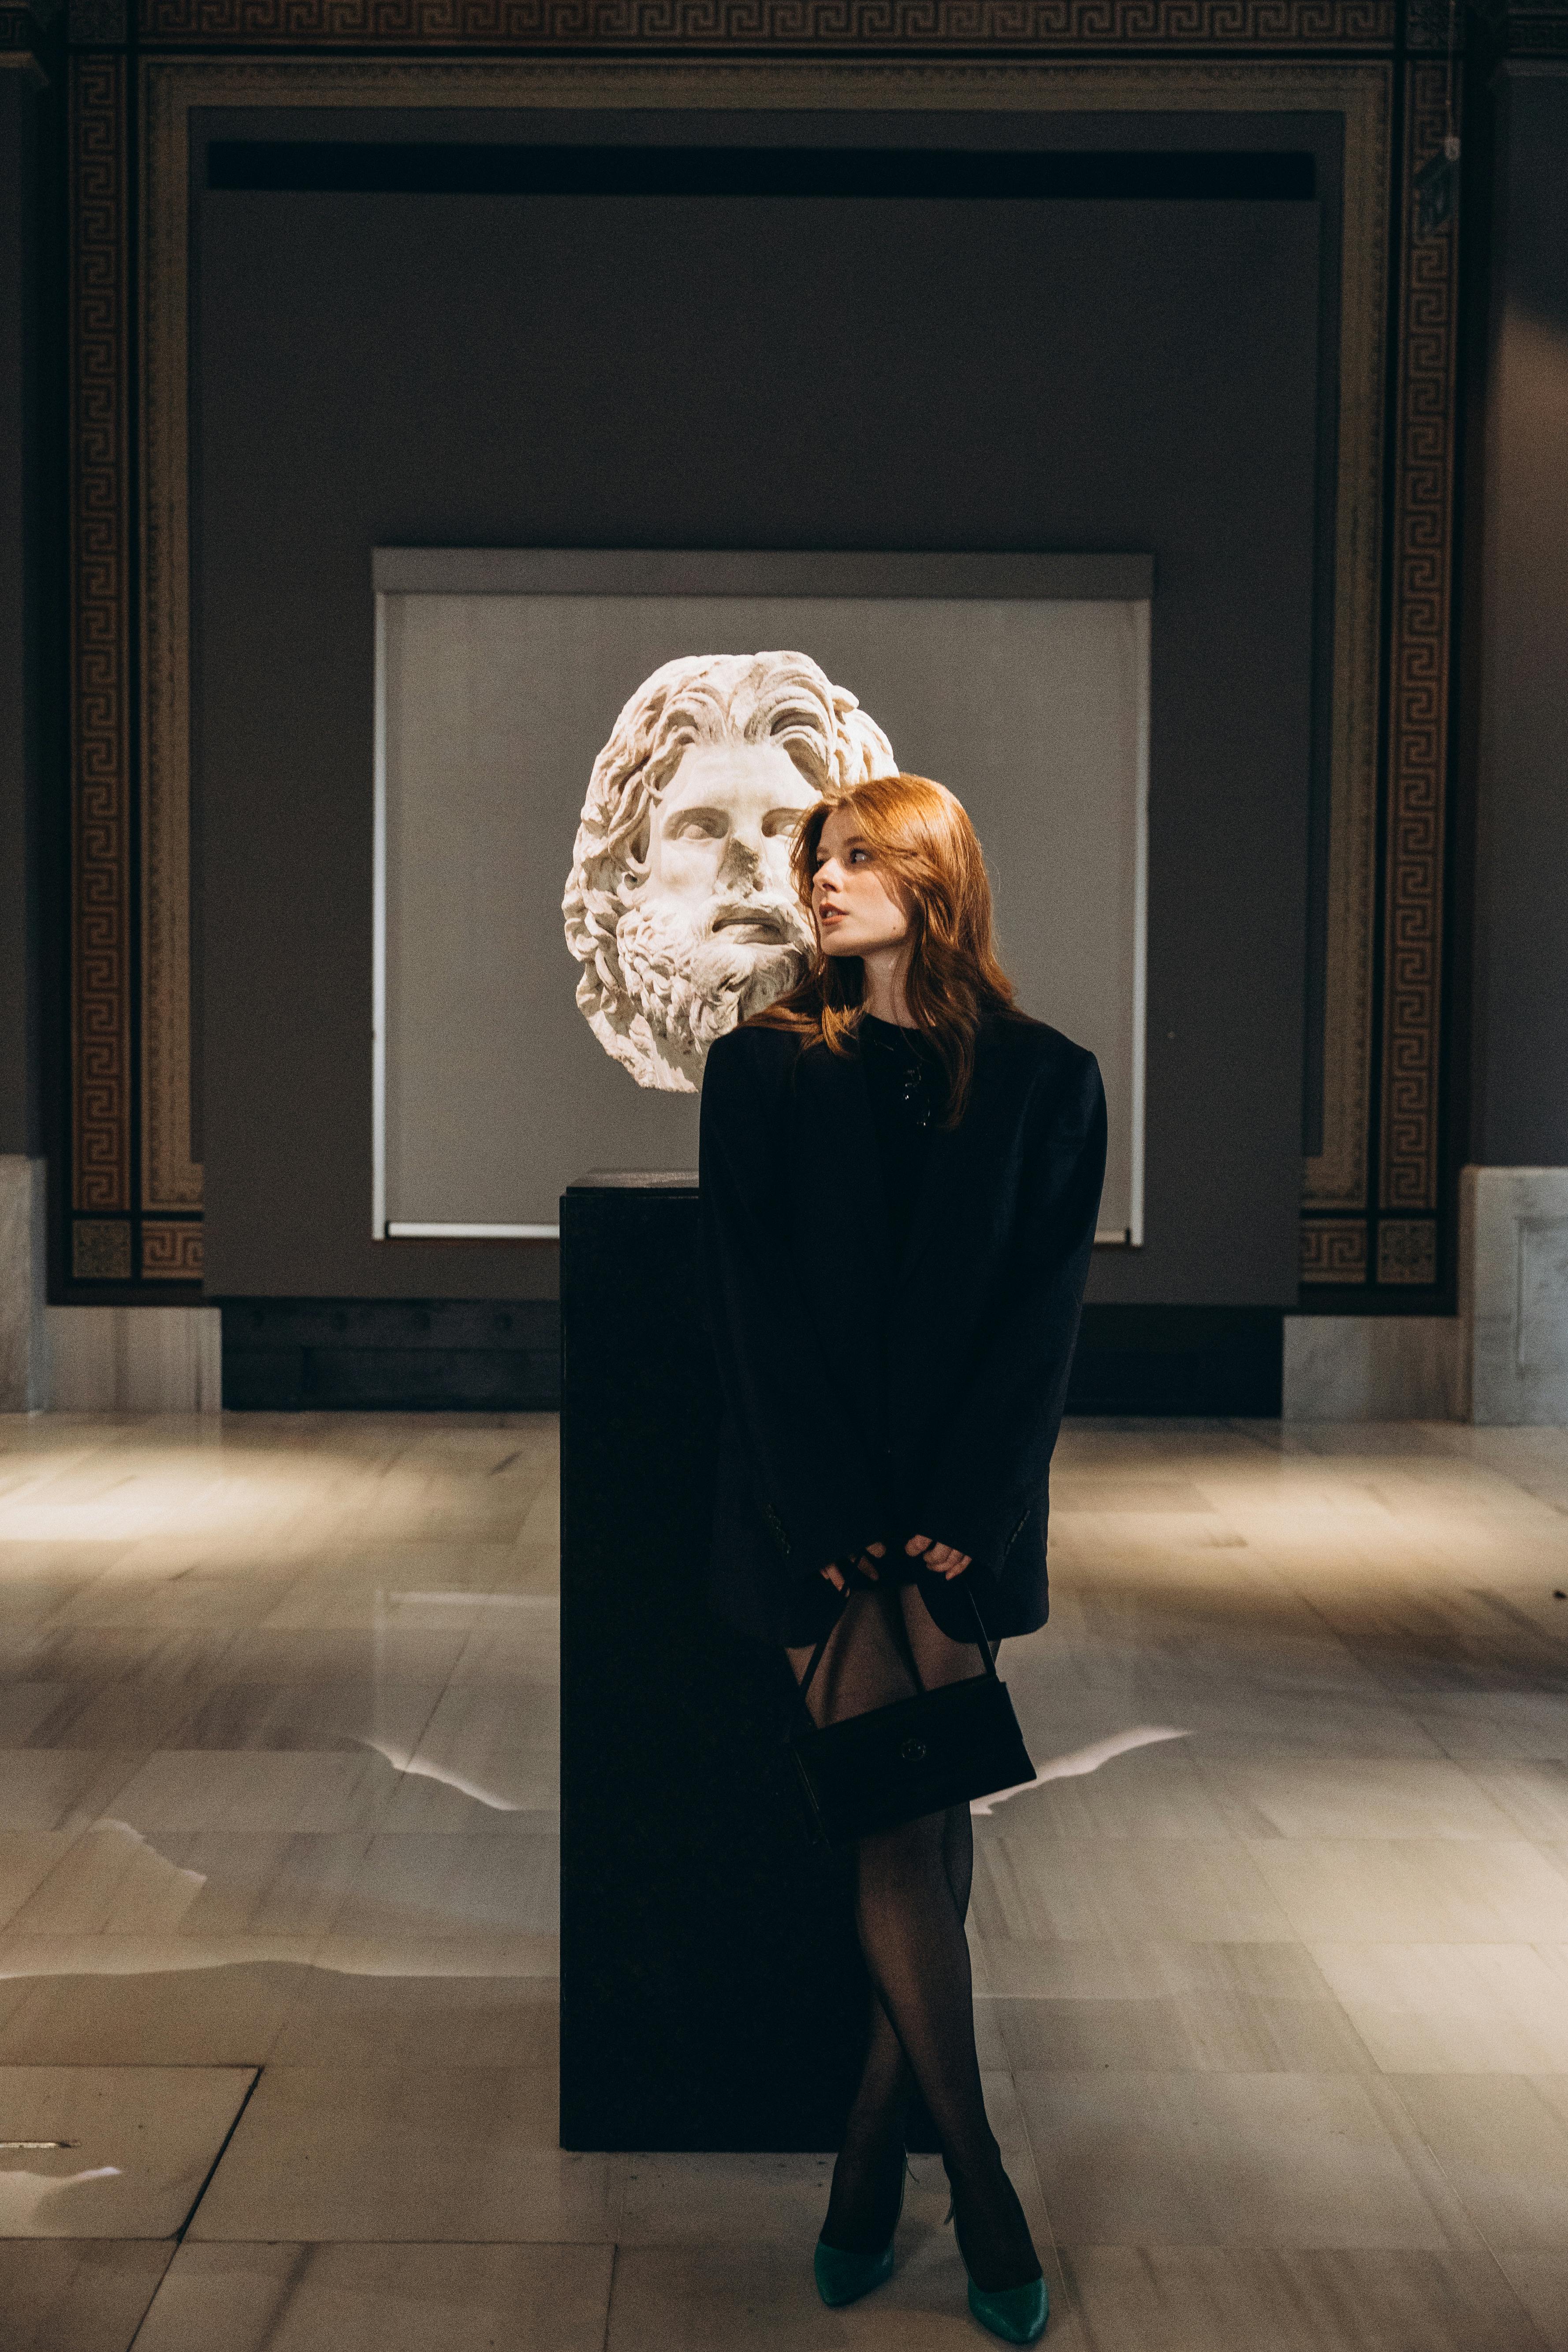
(1513, 1295)
(492, 1092)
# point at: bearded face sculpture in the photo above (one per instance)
(680, 909)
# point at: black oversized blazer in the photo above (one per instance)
(865, 1399)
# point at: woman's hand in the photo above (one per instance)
(835, 1574)
(946, 1560)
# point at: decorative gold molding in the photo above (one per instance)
(1359, 92)
(172, 1251)
(100, 944)
(1333, 1250)
(816, 25)
(171, 1177)
(1420, 630)
(1407, 1251)
(1336, 1177)
(100, 1250)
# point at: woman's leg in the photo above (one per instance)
(865, 1666)
(911, 1893)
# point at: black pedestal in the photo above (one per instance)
(713, 1993)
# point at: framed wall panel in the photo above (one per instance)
(1022, 681)
(1290, 55)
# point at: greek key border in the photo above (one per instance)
(819, 26)
(101, 646)
(1420, 635)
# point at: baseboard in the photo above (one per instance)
(1197, 1361)
(303, 1355)
(391, 1355)
(133, 1360)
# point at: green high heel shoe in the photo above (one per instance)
(1016, 2314)
(843, 2277)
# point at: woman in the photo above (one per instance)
(900, 1178)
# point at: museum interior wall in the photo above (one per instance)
(324, 295)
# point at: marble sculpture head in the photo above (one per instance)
(680, 906)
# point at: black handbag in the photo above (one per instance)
(921, 1754)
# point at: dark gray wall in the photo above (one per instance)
(20, 102)
(1520, 1064)
(462, 369)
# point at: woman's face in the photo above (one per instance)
(857, 905)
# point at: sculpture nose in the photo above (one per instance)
(742, 863)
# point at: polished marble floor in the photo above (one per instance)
(1272, 1963)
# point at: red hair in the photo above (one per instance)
(922, 835)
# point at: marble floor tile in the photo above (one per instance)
(24, 1706)
(1234, 2299)
(71, 1655)
(174, 2001)
(27, 1858)
(260, 1789)
(1159, 1791)
(731, 2298)
(524, 1800)
(411, 1885)
(1127, 1967)
(1363, 1797)
(1079, 1491)
(1226, 2032)
(1265, 2159)
(1415, 1890)
(122, 1715)
(372, 1656)
(1191, 1890)
(312, 1715)
(77, 2294)
(1248, 1723)
(61, 1788)
(1527, 1727)
(138, 2143)
(479, 2010)
(1541, 2283)
(1534, 1794)
(382, 2298)
(408, 2154)
(111, 1878)
(1502, 2140)
(708, 2200)
(1459, 2009)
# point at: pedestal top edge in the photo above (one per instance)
(640, 1180)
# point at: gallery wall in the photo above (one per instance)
(374, 366)
(1520, 1068)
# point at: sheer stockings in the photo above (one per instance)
(911, 1896)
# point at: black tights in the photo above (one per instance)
(911, 1896)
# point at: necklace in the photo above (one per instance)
(915, 1096)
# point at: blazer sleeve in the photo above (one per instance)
(995, 1452)
(809, 1472)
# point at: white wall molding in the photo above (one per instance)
(1371, 1368)
(135, 1358)
(24, 1361)
(1513, 1295)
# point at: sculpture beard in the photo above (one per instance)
(692, 980)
